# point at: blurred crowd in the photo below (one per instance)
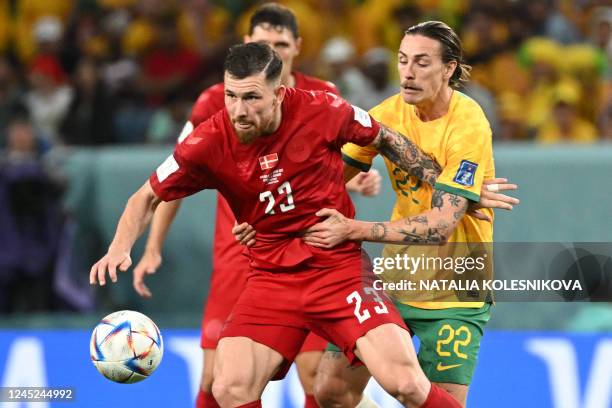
(101, 72)
(93, 72)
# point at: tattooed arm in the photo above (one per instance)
(406, 155)
(433, 226)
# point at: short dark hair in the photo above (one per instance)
(451, 47)
(249, 59)
(277, 16)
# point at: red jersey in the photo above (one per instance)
(226, 251)
(277, 182)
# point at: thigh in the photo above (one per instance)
(240, 360)
(268, 314)
(450, 342)
(388, 353)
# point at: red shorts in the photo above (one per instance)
(226, 286)
(338, 304)
(228, 280)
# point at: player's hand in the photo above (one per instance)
(150, 261)
(329, 233)
(491, 198)
(367, 184)
(113, 259)
(244, 234)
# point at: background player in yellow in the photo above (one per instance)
(453, 129)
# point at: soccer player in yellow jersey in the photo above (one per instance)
(453, 129)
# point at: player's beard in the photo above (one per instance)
(247, 136)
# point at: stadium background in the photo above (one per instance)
(92, 97)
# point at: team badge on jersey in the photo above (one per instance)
(269, 161)
(465, 174)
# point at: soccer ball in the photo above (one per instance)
(126, 346)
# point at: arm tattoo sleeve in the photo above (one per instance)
(432, 227)
(406, 155)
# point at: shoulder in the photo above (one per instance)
(468, 108)
(313, 99)
(310, 83)
(468, 117)
(392, 106)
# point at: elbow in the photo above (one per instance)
(144, 197)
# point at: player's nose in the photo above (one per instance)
(240, 108)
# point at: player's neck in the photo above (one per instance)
(288, 80)
(276, 120)
(435, 108)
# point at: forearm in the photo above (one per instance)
(406, 155)
(431, 227)
(135, 218)
(162, 219)
(426, 228)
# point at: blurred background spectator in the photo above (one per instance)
(30, 222)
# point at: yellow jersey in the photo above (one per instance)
(461, 142)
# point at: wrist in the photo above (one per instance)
(356, 229)
(119, 247)
(152, 250)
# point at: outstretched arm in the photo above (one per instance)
(152, 257)
(133, 221)
(433, 226)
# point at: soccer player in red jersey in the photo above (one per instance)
(275, 25)
(274, 154)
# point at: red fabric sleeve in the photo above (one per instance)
(186, 171)
(355, 124)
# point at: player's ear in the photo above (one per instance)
(280, 92)
(298, 45)
(246, 38)
(451, 66)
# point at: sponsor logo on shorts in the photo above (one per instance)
(441, 367)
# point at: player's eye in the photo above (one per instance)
(403, 61)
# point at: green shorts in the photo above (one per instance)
(449, 338)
